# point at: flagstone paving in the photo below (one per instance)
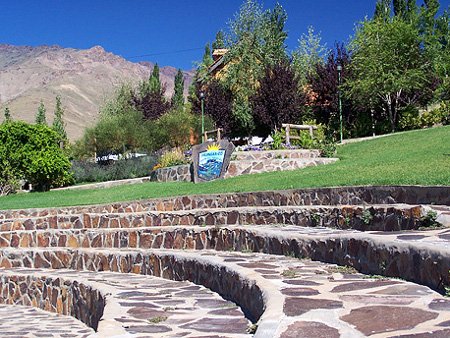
(301, 296)
(23, 321)
(136, 305)
(233, 265)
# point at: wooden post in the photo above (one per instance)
(288, 130)
(218, 134)
(311, 131)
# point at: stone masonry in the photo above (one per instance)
(177, 267)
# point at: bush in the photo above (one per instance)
(33, 153)
(8, 180)
(409, 118)
(172, 158)
(117, 170)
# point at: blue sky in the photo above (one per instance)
(170, 32)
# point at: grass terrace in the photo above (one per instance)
(410, 158)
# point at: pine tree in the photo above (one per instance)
(178, 97)
(7, 115)
(40, 116)
(58, 123)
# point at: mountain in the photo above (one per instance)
(83, 78)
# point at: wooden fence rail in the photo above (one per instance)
(288, 128)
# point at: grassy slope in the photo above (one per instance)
(416, 157)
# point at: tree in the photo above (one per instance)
(178, 95)
(274, 36)
(309, 53)
(383, 10)
(219, 42)
(324, 85)
(150, 100)
(441, 60)
(58, 122)
(256, 39)
(218, 105)
(388, 65)
(400, 7)
(7, 115)
(277, 100)
(33, 153)
(40, 115)
(202, 73)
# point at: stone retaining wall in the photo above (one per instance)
(55, 295)
(374, 218)
(360, 195)
(275, 154)
(421, 265)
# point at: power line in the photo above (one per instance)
(163, 53)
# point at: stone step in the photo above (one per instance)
(420, 256)
(363, 195)
(395, 217)
(131, 305)
(286, 297)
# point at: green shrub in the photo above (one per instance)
(117, 170)
(409, 118)
(8, 178)
(34, 154)
(172, 158)
(277, 137)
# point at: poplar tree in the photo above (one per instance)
(40, 116)
(58, 122)
(7, 115)
(178, 97)
(150, 100)
(219, 42)
(308, 55)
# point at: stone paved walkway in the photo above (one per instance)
(190, 238)
(302, 298)
(23, 321)
(137, 306)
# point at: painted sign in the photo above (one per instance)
(211, 160)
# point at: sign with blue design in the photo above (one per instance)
(211, 160)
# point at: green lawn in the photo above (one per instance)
(410, 158)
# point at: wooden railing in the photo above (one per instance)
(215, 131)
(288, 128)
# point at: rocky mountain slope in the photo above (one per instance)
(83, 78)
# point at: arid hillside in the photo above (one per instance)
(83, 78)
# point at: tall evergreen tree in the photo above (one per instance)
(7, 115)
(178, 96)
(58, 122)
(40, 115)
